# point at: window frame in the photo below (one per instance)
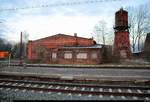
(54, 55)
(80, 55)
(94, 57)
(68, 52)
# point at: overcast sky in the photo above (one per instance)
(69, 19)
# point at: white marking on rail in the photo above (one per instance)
(69, 94)
(135, 98)
(129, 90)
(74, 88)
(21, 84)
(2, 83)
(32, 90)
(24, 90)
(123, 97)
(83, 89)
(79, 95)
(16, 89)
(50, 86)
(111, 96)
(148, 91)
(59, 93)
(7, 89)
(119, 90)
(110, 90)
(49, 92)
(40, 91)
(66, 88)
(92, 89)
(100, 96)
(42, 86)
(100, 89)
(8, 84)
(147, 98)
(35, 85)
(57, 87)
(90, 95)
(28, 85)
(1, 88)
(14, 84)
(139, 91)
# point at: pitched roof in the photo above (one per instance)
(61, 35)
(93, 46)
(63, 40)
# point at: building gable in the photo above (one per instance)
(53, 43)
(63, 40)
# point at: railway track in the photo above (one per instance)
(111, 89)
(124, 92)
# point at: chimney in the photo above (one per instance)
(75, 34)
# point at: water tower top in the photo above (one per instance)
(121, 20)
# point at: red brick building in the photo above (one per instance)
(65, 49)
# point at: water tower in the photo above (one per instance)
(121, 41)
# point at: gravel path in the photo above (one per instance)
(80, 72)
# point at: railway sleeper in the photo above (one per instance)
(78, 91)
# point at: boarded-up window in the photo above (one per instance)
(68, 55)
(123, 54)
(54, 55)
(94, 55)
(82, 55)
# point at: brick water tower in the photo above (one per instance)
(121, 41)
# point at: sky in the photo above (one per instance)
(54, 19)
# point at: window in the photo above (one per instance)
(94, 55)
(54, 55)
(68, 55)
(82, 56)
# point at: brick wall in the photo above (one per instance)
(74, 60)
(122, 42)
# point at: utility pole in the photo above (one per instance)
(9, 59)
(103, 36)
(21, 48)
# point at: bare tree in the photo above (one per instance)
(15, 50)
(139, 20)
(40, 51)
(100, 32)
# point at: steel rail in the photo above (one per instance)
(77, 84)
(77, 91)
(76, 80)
